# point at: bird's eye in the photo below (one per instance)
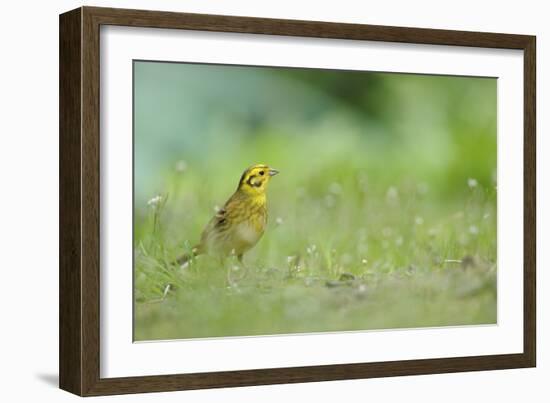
(262, 172)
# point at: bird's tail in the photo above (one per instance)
(185, 258)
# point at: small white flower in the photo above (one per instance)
(392, 194)
(472, 183)
(279, 221)
(311, 249)
(335, 188)
(364, 261)
(473, 230)
(181, 166)
(154, 201)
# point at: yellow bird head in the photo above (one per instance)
(254, 179)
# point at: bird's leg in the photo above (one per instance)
(243, 265)
(237, 272)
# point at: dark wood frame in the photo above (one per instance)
(80, 186)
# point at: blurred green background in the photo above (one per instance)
(383, 216)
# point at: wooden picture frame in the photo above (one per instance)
(79, 348)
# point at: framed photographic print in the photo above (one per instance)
(249, 201)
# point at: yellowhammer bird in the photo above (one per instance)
(240, 224)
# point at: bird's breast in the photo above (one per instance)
(248, 233)
(251, 229)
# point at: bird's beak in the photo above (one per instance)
(273, 172)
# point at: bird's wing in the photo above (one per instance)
(220, 221)
(217, 221)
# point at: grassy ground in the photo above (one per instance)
(340, 253)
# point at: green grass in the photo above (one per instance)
(383, 215)
(334, 258)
